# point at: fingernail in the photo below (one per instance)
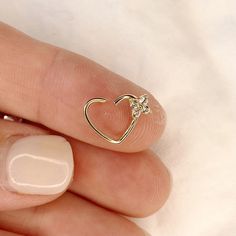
(40, 164)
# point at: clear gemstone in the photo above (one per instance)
(139, 105)
(146, 109)
(136, 114)
(142, 99)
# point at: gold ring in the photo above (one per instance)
(139, 105)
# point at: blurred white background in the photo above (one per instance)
(184, 52)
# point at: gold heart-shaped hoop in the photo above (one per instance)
(138, 105)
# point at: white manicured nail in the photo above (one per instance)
(40, 164)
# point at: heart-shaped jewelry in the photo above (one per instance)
(139, 105)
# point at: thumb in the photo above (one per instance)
(35, 167)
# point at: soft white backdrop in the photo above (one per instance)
(184, 52)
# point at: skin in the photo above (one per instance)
(48, 88)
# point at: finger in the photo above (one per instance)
(51, 86)
(37, 166)
(5, 233)
(68, 215)
(134, 184)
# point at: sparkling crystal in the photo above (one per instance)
(136, 114)
(142, 99)
(139, 105)
(146, 109)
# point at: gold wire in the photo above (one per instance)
(116, 102)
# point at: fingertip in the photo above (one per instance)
(162, 182)
(35, 168)
(157, 184)
(149, 129)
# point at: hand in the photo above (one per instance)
(48, 88)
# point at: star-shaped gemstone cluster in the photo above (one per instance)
(139, 106)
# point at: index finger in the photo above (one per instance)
(48, 85)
